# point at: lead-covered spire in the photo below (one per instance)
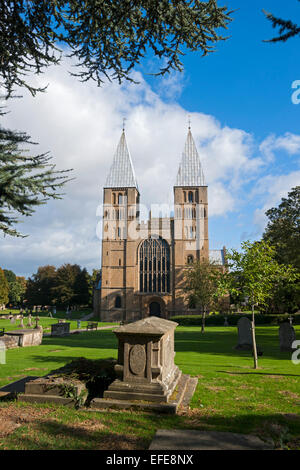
(190, 171)
(121, 173)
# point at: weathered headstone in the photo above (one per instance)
(226, 322)
(29, 322)
(37, 319)
(286, 337)
(244, 334)
(60, 329)
(21, 322)
(30, 337)
(145, 367)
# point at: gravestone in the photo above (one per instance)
(60, 329)
(145, 368)
(286, 337)
(226, 322)
(27, 337)
(244, 334)
(21, 322)
(29, 323)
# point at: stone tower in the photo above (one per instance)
(120, 207)
(190, 215)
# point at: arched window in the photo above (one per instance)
(190, 259)
(118, 302)
(184, 196)
(191, 196)
(120, 198)
(154, 263)
(114, 198)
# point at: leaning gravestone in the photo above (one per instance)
(244, 334)
(286, 337)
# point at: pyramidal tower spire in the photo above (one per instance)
(190, 172)
(121, 173)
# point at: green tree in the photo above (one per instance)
(25, 181)
(107, 38)
(254, 271)
(82, 288)
(16, 286)
(4, 289)
(40, 285)
(203, 285)
(93, 280)
(71, 285)
(10, 275)
(286, 28)
(283, 229)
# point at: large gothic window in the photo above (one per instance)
(154, 264)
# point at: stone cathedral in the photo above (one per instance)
(143, 263)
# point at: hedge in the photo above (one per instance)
(218, 320)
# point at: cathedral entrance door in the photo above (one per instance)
(155, 310)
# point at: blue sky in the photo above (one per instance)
(243, 120)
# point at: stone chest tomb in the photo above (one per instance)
(145, 367)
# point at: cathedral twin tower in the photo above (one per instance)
(143, 263)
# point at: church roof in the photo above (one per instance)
(217, 257)
(190, 171)
(121, 173)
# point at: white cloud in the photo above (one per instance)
(273, 189)
(289, 142)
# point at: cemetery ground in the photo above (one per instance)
(231, 396)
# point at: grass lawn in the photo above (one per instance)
(46, 323)
(230, 396)
(74, 314)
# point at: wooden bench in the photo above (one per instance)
(92, 326)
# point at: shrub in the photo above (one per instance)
(218, 320)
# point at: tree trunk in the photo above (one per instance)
(203, 321)
(254, 339)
